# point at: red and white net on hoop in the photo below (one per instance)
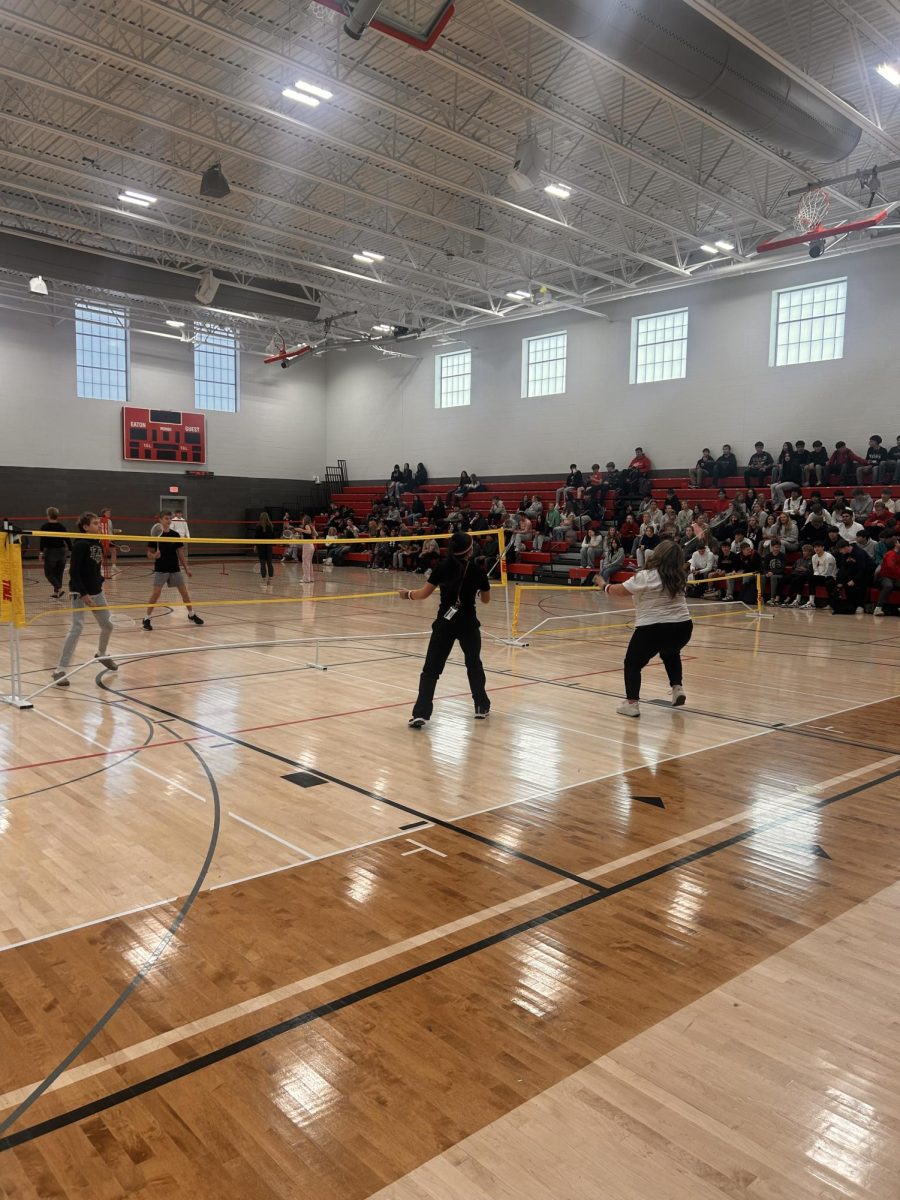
(812, 210)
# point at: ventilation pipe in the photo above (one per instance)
(681, 50)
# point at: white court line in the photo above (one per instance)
(291, 990)
(140, 766)
(813, 788)
(420, 846)
(274, 836)
(129, 912)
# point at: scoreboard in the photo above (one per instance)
(161, 435)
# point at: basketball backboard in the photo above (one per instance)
(832, 226)
(419, 23)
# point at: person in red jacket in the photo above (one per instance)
(640, 463)
(889, 575)
(843, 463)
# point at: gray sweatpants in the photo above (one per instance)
(100, 615)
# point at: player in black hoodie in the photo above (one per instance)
(86, 594)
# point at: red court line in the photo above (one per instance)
(352, 712)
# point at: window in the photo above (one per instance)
(453, 379)
(101, 351)
(659, 346)
(808, 323)
(544, 365)
(215, 368)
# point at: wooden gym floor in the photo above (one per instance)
(261, 940)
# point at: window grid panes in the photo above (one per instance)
(544, 365)
(215, 369)
(808, 324)
(453, 379)
(101, 352)
(659, 346)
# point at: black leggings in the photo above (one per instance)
(667, 640)
(443, 635)
(264, 554)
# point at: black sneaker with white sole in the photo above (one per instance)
(193, 617)
(145, 624)
(418, 722)
(482, 714)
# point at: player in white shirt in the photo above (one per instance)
(824, 572)
(662, 623)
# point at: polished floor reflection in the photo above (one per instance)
(551, 954)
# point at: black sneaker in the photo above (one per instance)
(418, 722)
(482, 714)
(59, 678)
(146, 624)
(193, 617)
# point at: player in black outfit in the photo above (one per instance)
(53, 552)
(460, 581)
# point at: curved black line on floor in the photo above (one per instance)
(331, 1007)
(140, 975)
(107, 766)
(419, 814)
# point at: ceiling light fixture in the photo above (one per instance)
(726, 246)
(38, 286)
(518, 295)
(890, 72)
(313, 90)
(175, 324)
(382, 329)
(559, 190)
(133, 195)
(300, 97)
(126, 199)
(708, 249)
(374, 257)
(364, 258)
(229, 313)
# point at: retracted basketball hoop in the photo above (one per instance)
(418, 24)
(811, 223)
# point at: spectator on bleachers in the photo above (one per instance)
(593, 485)
(553, 518)
(774, 563)
(521, 532)
(703, 469)
(406, 479)
(613, 481)
(394, 484)
(702, 562)
(640, 464)
(725, 466)
(497, 511)
(888, 577)
(725, 566)
(888, 501)
(461, 488)
(683, 521)
(877, 518)
(648, 539)
(769, 528)
(866, 542)
(478, 522)
(454, 517)
(669, 526)
(801, 457)
(420, 478)
(816, 468)
(738, 541)
(800, 579)
(754, 530)
(788, 533)
(875, 456)
(592, 548)
(437, 515)
(853, 578)
(535, 508)
(650, 511)
(475, 484)
(671, 498)
(567, 530)
(861, 504)
(417, 509)
(848, 527)
(613, 560)
(795, 505)
(759, 466)
(748, 562)
(889, 470)
(630, 528)
(824, 570)
(573, 488)
(790, 476)
(786, 448)
(429, 554)
(843, 464)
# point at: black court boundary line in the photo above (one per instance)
(440, 822)
(332, 1007)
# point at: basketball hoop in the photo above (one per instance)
(812, 209)
(322, 13)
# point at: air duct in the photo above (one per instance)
(681, 50)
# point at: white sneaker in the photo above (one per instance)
(771, 603)
(630, 708)
(877, 611)
(679, 696)
(809, 604)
